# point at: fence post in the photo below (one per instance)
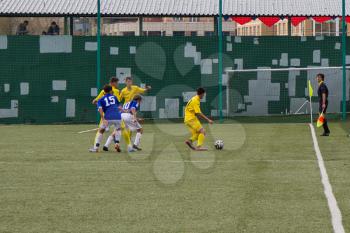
(344, 33)
(220, 59)
(98, 52)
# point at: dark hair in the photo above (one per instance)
(137, 97)
(114, 80)
(321, 76)
(200, 91)
(107, 88)
(53, 23)
(128, 78)
(25, 21)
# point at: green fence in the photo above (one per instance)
(53, 79)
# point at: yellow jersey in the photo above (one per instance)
(128, 95)
(192, 108)
(102, 93)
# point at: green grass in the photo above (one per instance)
(266, 180)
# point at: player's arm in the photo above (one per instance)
(143, 90)
(100, 110)
(117, 94)
(121, 96)
(102, 115)
(134, 114)
(98, 97)
(323, 101)
(204, 117)
(199, 113)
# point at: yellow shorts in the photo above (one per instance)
(194, 125)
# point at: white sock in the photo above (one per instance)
(117, 136)
(98, 140)
(137, 139)
(109, 141)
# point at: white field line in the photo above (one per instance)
(332, 202)
(86, 131)
(146, 161)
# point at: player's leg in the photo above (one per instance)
(194, 136)
(138, 138)
(326, 130)
(201, 138)
(117, 134)
(201, 135)
(127, 119)
(114, 137)
(110, 139)
(98, 139)
(135, 126)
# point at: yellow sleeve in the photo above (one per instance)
(121, 95)
(102, 93)
(140, 90)
(196, 107)
(117, 94)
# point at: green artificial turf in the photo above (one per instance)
(265, 180)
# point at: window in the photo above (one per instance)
(193, 33)
(194, 19)
(177, 19)
(208, 33)
(154, 33)
(129, 33)
(178, 33)
(225, 33)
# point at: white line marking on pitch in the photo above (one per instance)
(86, 131)
(141, 161)
(332, 202)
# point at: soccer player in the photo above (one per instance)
(114, 84)
(323, 102)
(127, 94)
(192, 111)
(108, 107)
(129, 117)
(116, 134)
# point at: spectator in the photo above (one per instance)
(44, 33)
(22, 28)
(53, 29)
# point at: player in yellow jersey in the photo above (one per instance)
(115, 136)
(114, 83)
(130, 91)
(127, 94)
(192, 111)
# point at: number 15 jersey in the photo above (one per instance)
(110, 106)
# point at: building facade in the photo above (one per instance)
(306, 28)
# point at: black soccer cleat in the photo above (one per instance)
(105, 148)
(325, 134)
(136, 147)
(190, 145)
(117, 148)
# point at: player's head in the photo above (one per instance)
(128, 81)
(114, 82)
(26, 22)
(108, 89)
(320, 77)
(137, 98)
(200, 92)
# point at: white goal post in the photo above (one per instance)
(230, 73)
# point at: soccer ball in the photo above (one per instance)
(219, 144)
